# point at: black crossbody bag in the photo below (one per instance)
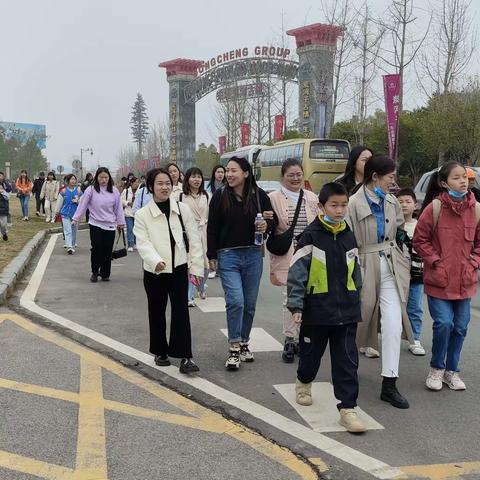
(280, 244)
(185, 236)
(120, 252)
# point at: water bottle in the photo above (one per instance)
(258, 235)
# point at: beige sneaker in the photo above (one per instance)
(434, 379)
(370, 352)
(453, 380)
(303, 393)
(349, 419)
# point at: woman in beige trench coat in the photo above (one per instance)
(375, 217)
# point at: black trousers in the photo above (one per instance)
(343, 355)
(159, 288)
(40, 204)
(101, 251)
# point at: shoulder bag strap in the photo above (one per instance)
(297, 211)
(185, 236)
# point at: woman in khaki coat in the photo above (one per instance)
(284, 203)
(375, 217)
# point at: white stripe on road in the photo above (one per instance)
(211, 304)
(260, 341)
(323, 415)
(332, 447)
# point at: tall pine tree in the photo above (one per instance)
(139, 123)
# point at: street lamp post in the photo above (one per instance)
(81, 160)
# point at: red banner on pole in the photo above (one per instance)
(222, 144)
(391, 88)
(278, 129)
(245, 134)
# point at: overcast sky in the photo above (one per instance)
(76, 66)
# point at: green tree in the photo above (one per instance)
(206, 158)
(139, 123)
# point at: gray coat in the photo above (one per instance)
(364, 225)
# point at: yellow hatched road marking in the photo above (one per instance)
(91, 461)
(441, 471)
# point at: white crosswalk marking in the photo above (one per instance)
(261, 341)
(211, 304)
(323, 415)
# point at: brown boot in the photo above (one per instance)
(303, 393)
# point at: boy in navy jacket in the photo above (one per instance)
(324, 282)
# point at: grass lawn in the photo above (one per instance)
(20, 232)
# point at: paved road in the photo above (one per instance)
(433, 439)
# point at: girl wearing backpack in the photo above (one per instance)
(448, 239)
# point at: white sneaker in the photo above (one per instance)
(191, 303)
(370, 352)
(203, 295)
(434, 379)
(130, 249)
(53, 221)
(416, 348)
(453, 380)
(245, 354)
(211, 274)
(233, 360)
(47, 220)
(349, 419)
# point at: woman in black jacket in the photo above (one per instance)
(231, 232)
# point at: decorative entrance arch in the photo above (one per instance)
(191, 80)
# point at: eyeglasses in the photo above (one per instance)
(291, 176)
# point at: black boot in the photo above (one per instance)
(391, 395)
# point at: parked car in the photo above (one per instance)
(422, 185)
(269, 186)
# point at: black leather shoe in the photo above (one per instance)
(93, 278)
(187, 365)
(162, 360)
(288, 355)
(105, 279)
(391, 395)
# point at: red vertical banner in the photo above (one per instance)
(391, 88)
(245, 134)
(222, 144)
(278, 128)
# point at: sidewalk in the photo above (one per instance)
(69, 413)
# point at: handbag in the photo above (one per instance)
(280, 244)
(120, 252)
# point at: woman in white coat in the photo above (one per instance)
(169, 243)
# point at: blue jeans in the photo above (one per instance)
(201, 288)
(240, 271)
(70, 232)
(415, 309)
(24, 204)
(450, 322)
(130, 222)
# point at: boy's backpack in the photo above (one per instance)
(437, 206)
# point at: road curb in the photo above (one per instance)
(12, 273)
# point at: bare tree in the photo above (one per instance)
(157, 143)
(451, 47)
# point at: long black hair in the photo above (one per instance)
(26, 175)
(212, 177)
(348, 178)
(186, 184)
(249, 192)
(435, 188)
(52, 173)
(96, 185)
(180, 174)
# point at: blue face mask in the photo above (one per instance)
(381, 194)
(456, 195)
(330, 220)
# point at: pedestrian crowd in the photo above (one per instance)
(352, 263)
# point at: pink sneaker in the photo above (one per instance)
(453, 380)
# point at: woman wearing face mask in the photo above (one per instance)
(233, 251)
(375, 217)
(176, 174)
(106, 216)
(169, 244)
(284, 203)
(354, 172)
(195, 196)
(217, 179)
(447, 237)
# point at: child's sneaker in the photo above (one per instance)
(233, 360)
(453, 380)
(349, 419)
(303, 392)
(370, 352)
(245, 354)
(416, 348)
(434, 379)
